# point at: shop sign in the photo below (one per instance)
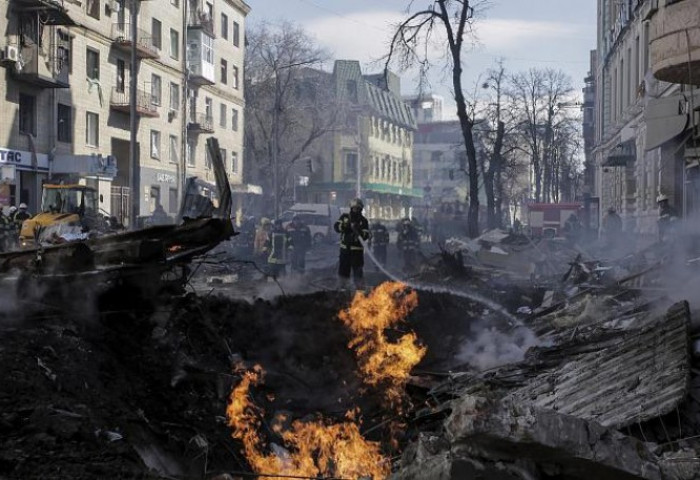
(165, 178)
(22, 158)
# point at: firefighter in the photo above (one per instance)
(667, 217)
(278, 246)
(22, 214)
(379, 240)
(408, 243)
(300, 243)
(612, 227)
(6, 230)
(572, 228)
(260, 244)
(353, 229)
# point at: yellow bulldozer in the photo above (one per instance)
(71, 205)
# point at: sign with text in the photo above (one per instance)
(23, 159)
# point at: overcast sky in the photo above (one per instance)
(542, 33)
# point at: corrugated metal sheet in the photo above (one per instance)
(632, 372)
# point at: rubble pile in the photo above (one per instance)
(141, 390)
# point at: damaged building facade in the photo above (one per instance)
(643, 126)
(65, 96)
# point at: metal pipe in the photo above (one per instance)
(133, 122)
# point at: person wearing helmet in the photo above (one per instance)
(5, 230)
(300, 243)
(667, 217)
(20, 216)
(379, 240)
(279, 244)
(612, 227)
(408, 243)
(353, 229)
(260, 247)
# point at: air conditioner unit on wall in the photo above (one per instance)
(9, 54)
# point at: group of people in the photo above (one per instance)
(11, 224)
(277, 246)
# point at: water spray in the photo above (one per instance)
(440, 289)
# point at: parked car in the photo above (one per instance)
(320, 218)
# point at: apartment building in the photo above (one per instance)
(640, 116)
(372, 155)
(66, 95)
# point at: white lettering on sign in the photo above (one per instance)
(165, 178)
(22, 158)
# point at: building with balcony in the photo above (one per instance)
(372, 155)
(634, 151)
(65, 97)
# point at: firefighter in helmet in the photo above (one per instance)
(408, 243)
(353, 229)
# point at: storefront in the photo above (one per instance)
(22, 176)
(96, 171)
(159, 187)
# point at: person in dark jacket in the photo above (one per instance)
(300, 243)
(353, 229)
(408, 243)
(278, 246)
(379, 241)
(668, 218)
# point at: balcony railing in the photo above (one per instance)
(53, 12)
(43, 67)
(121, 33)
(200, 123)
(198, 17)
(121, 102)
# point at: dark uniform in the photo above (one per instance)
(408, 243)
(6, 231)
(667, 218)
(278, 244)
(379, 241)
(352, 227)
(300, 243)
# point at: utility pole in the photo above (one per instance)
(134, 184)
(275, 147)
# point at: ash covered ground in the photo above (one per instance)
(139, 389)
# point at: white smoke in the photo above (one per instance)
(490, 347)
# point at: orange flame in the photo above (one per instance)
(380, 361)
(314, 448)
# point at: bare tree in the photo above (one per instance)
(411, 46)
(541, 97)
(288, 104)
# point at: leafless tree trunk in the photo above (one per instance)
(410, 46)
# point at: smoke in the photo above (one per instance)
(490, 347)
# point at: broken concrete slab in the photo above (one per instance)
(503, 430)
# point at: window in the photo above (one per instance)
(236, 34)
(64, 123)
(156, 35)
(207, 159)
(174, 44)
(121, 75)
(155, 144)
(63, 49)
(155, 89)
(210, 10)
(92, 129)
(190, 154)
(207, 49)
(173, 149)
(172, 200)
(27, 114)
(223, 156)
(224, 71)
(92, 64)
(350, 163)
(174, 96)
(235, 77)
(224, 26)
(234, 120)
(208, 108)
(222, 116)
(234, 163)
(93, 8)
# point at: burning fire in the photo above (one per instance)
(380, 361)
(311, 449)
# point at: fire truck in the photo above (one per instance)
(547, 219)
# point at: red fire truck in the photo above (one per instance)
(547, 219)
